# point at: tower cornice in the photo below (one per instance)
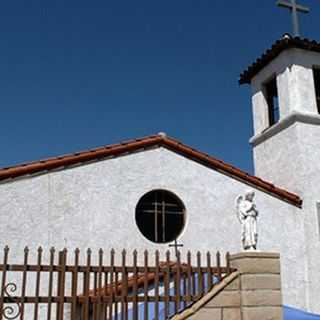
(287, 42)
(309, 118)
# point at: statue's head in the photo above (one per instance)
(249, 195)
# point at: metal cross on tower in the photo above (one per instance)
(295, 9)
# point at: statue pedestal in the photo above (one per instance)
(260, 284)
(253, 292)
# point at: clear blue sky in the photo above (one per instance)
(77, 74)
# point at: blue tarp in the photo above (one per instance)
(171, 305)
(289, 313)
(295, 314)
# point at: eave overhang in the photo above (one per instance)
(287, 42)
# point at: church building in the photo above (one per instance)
(149, 192)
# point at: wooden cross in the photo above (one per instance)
(176, 246)
(295, 8)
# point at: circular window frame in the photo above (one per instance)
(180, 204)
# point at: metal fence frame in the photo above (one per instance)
(106, 291)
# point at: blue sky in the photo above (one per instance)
(79, 74)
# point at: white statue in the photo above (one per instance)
(247, 215)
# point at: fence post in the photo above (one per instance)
(3, 284)
(61, 283)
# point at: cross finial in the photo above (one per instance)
(295, 9)
(176, 246)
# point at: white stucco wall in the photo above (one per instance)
(309, 179)
(291, 159)
(94, 206)
(278, 159)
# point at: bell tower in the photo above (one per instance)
(285, 84)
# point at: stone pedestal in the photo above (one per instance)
(253, 292)
(260, 285)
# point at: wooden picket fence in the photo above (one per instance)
(103, 290)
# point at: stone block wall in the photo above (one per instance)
(260, 285)
(226, 305)
(251, 293)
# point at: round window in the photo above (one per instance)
(160, 216)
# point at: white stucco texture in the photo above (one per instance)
(288, 153)
(93, 206)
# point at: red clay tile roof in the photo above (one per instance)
(287, 42)
(162, 140)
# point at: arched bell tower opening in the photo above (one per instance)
(316, 76)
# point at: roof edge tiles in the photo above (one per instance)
(145, 143)
(286, 42)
